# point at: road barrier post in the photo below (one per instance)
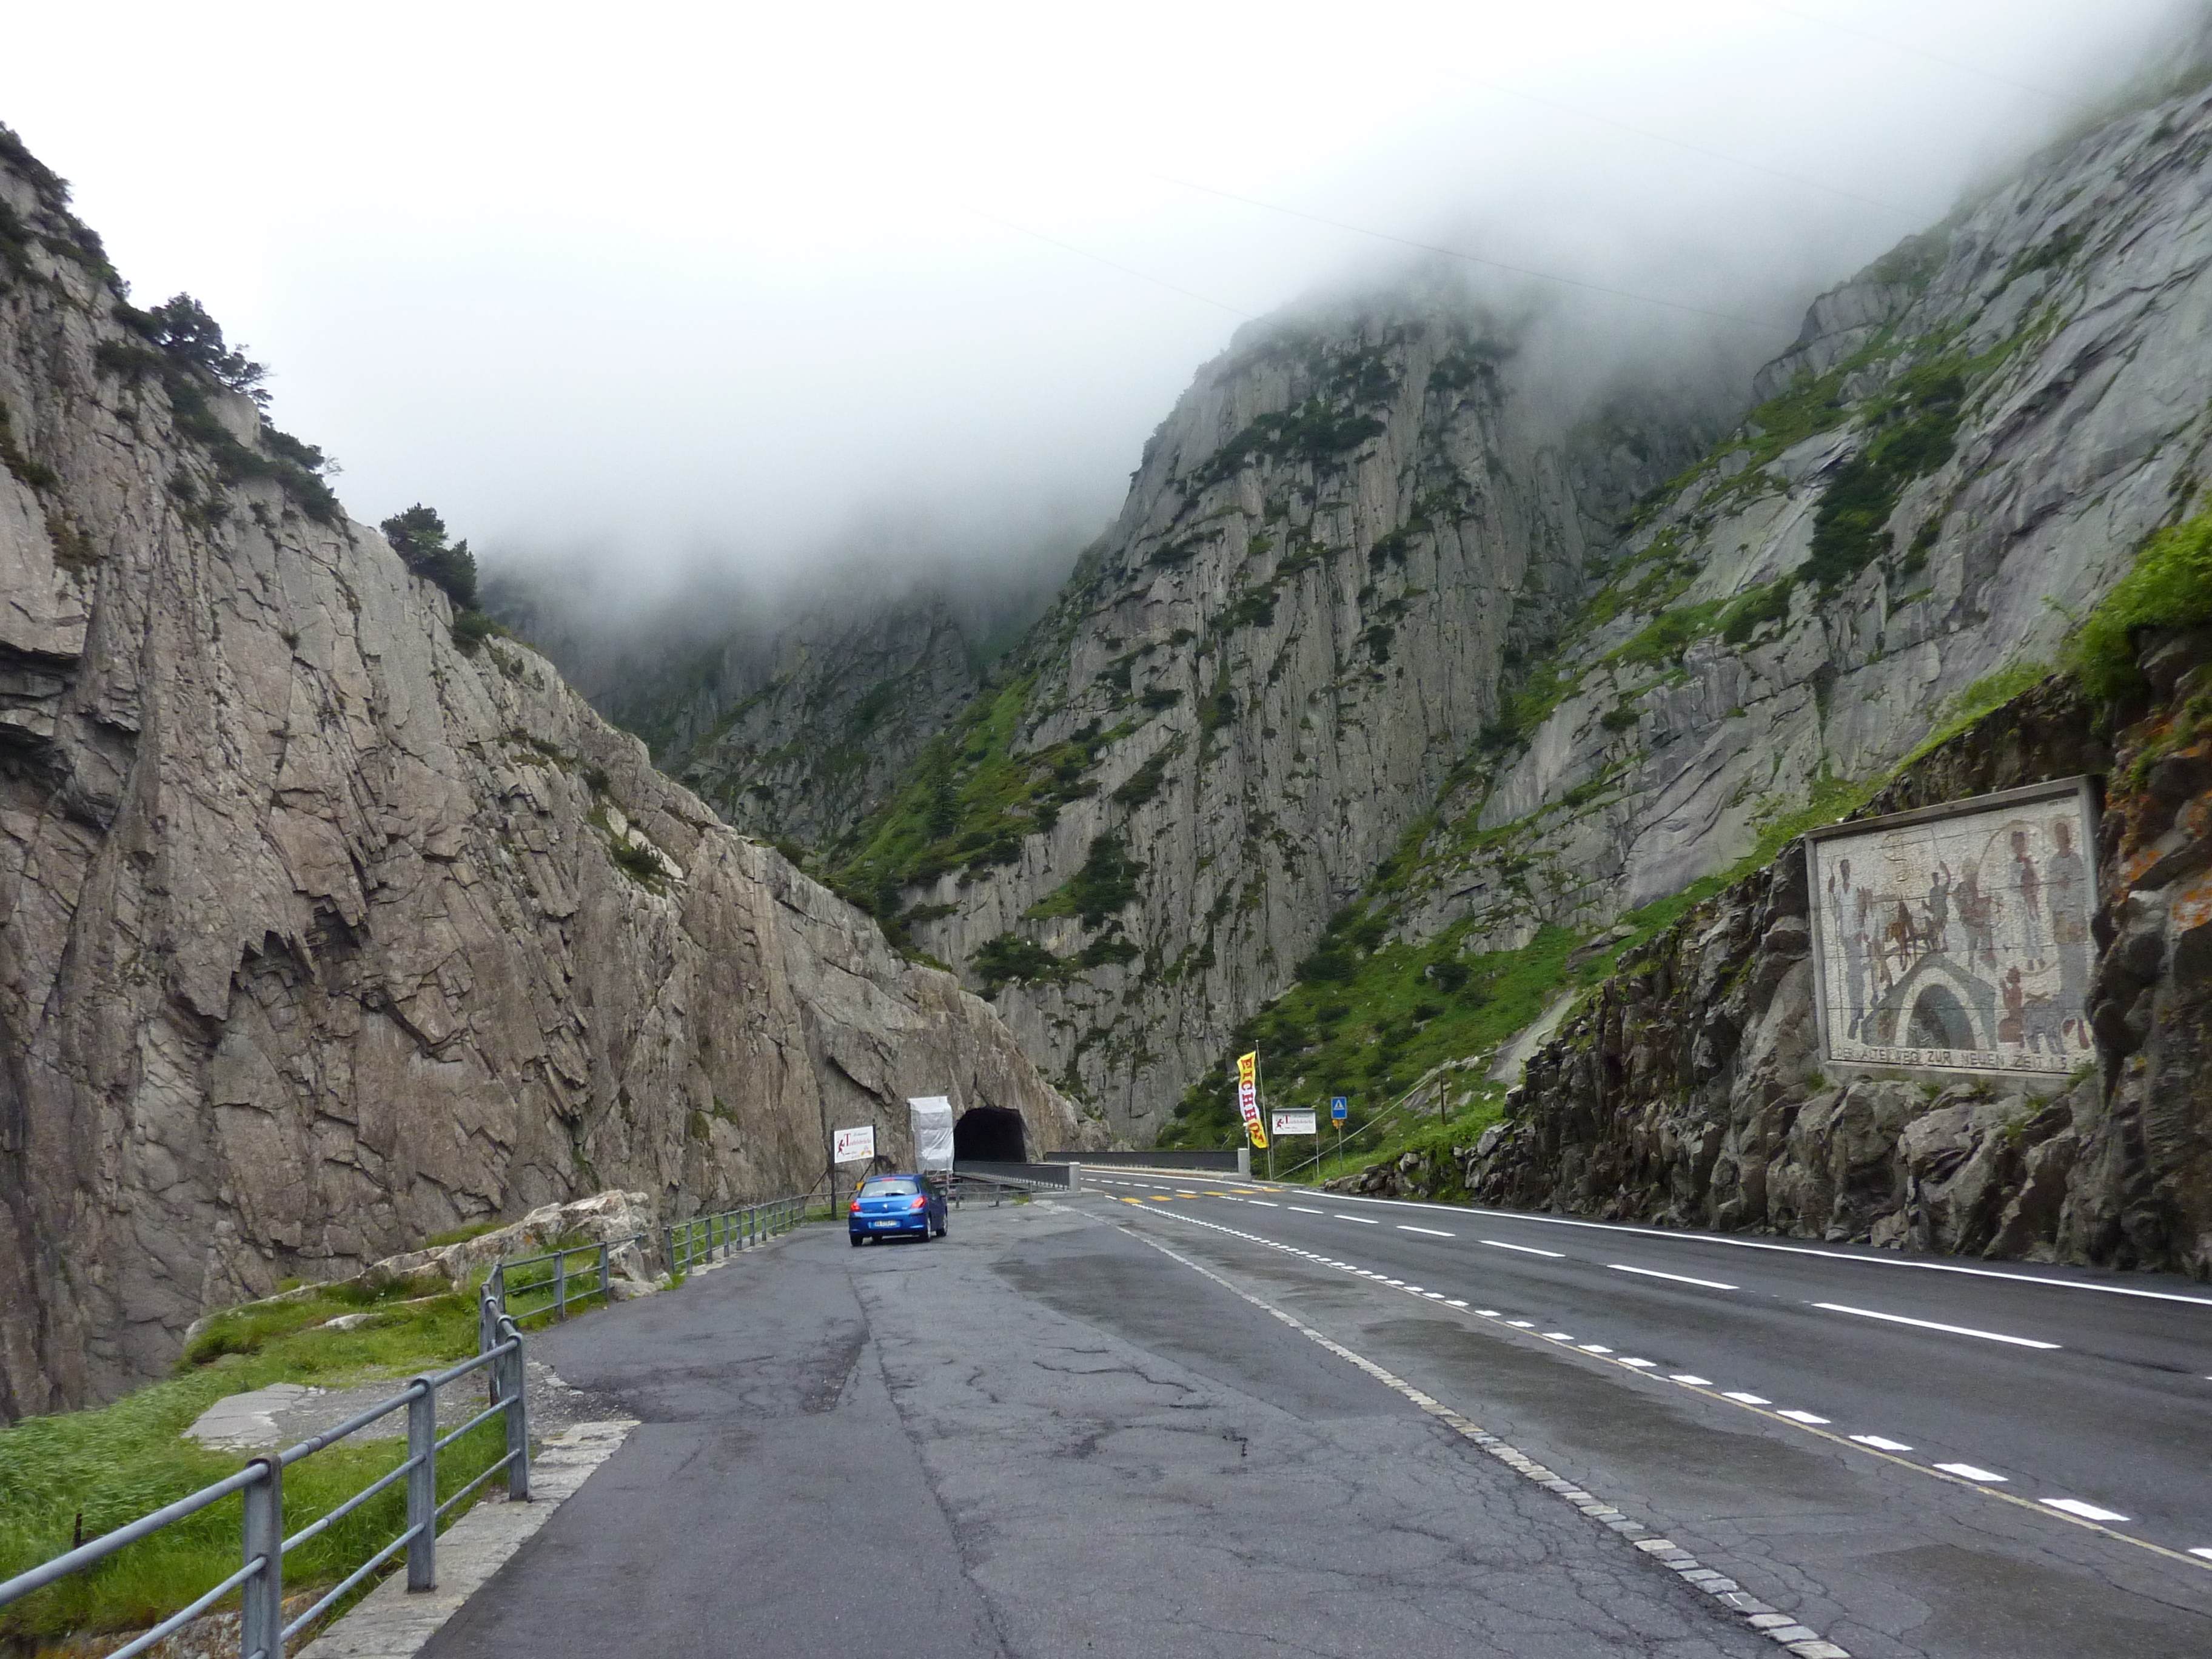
(261, 1598)
(422, 1487)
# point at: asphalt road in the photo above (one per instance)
(2025, 1450)
(1176, 1425)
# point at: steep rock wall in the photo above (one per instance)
(1962, 453)
(1689, 1089)
(1332, 550)
(318, 935)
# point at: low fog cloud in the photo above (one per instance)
(783, 293)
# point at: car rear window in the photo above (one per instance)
(894, 1188)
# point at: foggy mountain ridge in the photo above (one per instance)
(1375, 575)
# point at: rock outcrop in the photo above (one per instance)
(1689, 1090)
(320, 932)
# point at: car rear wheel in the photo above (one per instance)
(856, 1240)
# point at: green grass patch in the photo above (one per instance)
(1991, 692)
(2170, 585)
(118, 1462)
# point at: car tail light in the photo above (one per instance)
(919, 1204)
(856, 1206)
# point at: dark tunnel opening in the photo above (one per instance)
(989, 1134)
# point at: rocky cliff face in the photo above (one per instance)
(1331, 553)
(1963, 450)
(841, 703)
(320, 933)
(793, 724)
(1688, 1090)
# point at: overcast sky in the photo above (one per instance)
(660, 281)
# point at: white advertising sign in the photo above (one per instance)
(1293, 1123)
(855, 1146)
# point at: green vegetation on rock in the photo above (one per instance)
(2170, 585)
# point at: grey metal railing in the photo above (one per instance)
(514, 1283)
(263, 1631)
(1052, 1177)
(706, 1238)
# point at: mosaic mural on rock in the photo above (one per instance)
(1957, 937)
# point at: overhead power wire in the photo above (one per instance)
(1974, 69)
(1766, 323)
(1914, 213)
(1115, 264)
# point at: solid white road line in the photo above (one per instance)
(1880, 1443)
(1499, 1243)
(1937, 1325)
(2087, 1511)
(1679, 1278)
(1678, 1237)
(1431, 1231)
(1968, 1472)
(1364, 1220)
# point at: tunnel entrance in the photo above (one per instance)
(989, 1134)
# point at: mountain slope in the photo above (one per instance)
(324, 932)
(1349, 526)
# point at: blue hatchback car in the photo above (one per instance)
(896, 1207)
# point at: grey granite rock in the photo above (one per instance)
(318, 935)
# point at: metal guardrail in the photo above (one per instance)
(510, 1281)
(1056, 1178)
(706, 1237)
(263, 1631)
(577, 1274)
(1235, 1162)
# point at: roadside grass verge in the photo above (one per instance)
(116, 1463)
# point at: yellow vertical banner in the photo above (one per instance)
(1248, 1096)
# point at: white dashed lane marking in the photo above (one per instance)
(2087, 1511)
(2077, 1510)
(1500, 1245)
(1679, 1278)
(1431, 1231)
(1302, 1210)
(1364, 1220)
(1776, 1626)
(1936, 1325)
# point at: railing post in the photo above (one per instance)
(606, 1277)
(422, 1488)
(668, 1247)
(516, 1371)
(560, 1285)
(261, 1598)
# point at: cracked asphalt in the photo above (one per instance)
(1041, 1437)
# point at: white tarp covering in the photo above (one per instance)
(932, 1131)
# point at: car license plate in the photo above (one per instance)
(883, 1224)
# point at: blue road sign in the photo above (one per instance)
(1337, 1108)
